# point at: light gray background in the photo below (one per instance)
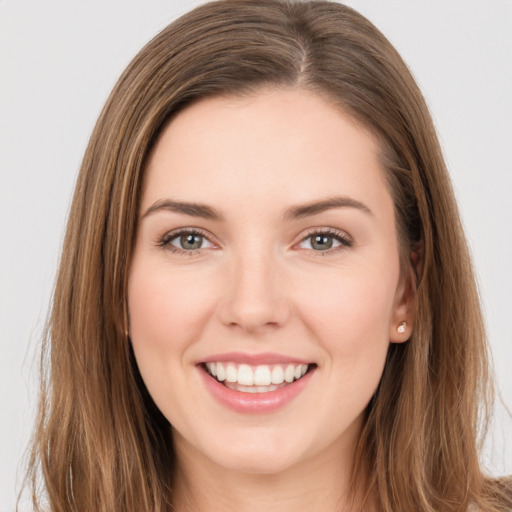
(58, 62)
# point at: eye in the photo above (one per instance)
(324, 241)
(185, 241)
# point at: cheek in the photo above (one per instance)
(353, 304)
(350, 322)
(349, 310)
(166, 308)
(167, 311)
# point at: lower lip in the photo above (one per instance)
(255, 403)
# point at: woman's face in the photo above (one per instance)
(266, 248)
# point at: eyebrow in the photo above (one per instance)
(193, 209)
(316, 207)
(295, 212)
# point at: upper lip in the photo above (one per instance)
(254, 359)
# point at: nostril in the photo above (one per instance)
(253, 299)
(254, 317)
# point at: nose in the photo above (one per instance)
(254, 299)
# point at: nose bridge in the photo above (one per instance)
(255, 295)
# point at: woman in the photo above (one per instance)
(265, 299)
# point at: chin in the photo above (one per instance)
(257, 453)
(258, 462)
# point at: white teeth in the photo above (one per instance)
(262, 376)
(263, 389)
(231, 373)
(289, 373)
(277, 375)
(221, 372)
(212, 368)
(266, 377)
(251, 389)
(245, 375)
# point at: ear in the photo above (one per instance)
(402, 318)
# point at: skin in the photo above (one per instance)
(258, 285)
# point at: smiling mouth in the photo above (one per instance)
(256, 379)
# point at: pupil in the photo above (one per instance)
(322, 242)
(189, 242)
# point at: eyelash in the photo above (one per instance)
(165, 241)
(344, 240)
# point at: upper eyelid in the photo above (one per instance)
(326, 231)
(180, 231)
(344, 239)
(165, 239)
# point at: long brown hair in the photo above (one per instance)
(100, 443)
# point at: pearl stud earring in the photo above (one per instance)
(401, 327)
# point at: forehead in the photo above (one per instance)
(289, 144)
